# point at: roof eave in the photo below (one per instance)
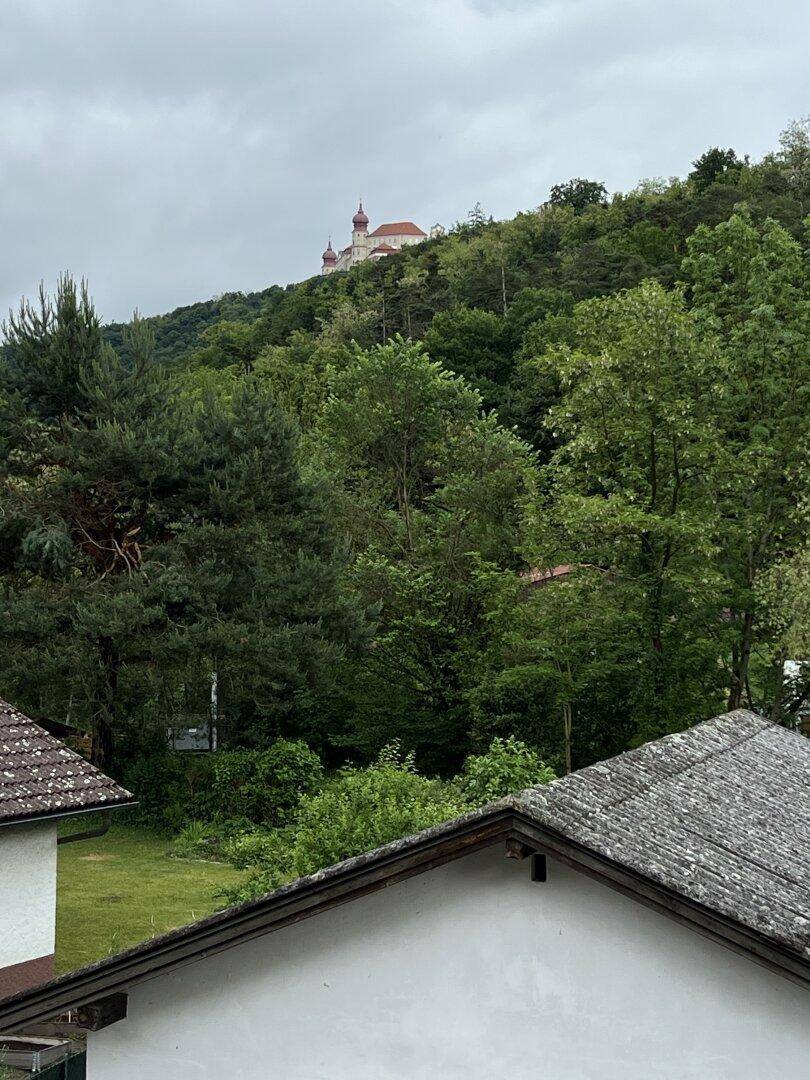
(52, 815)
(233, 926)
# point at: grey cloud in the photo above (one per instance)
(173, 150)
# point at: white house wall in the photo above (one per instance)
(468, 972)
(27, 904)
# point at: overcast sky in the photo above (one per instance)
(174, 150)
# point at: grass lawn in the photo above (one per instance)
(123, 888)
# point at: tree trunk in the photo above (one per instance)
(778, 690)
(742, 657)
(568, 728)
(105, 701)
(213, 724)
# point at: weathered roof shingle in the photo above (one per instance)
(41, 777)
(719, 813)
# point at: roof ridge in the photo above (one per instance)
(569, 782)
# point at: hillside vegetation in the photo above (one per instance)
(577, 245)
(331, 494)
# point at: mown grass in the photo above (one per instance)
(124, 888)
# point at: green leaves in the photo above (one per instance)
(359, 809)
(51, 349)
(749, 284)
(508, 767)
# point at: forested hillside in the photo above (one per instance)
(578, 244)
(334, 495)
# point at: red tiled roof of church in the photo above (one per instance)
(398, 228)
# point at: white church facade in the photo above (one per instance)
(384, 240)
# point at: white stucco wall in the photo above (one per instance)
(468, 972)
(27, 892)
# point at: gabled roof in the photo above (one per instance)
(382, 249)
(719, 813)
(41, 778)
(398, 228)
(710, 827)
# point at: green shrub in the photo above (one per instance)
(172, 789)
(363, 808)
(176, 790)
(507, 767)
(358, 810)
(264, 785)
(209, 840)
(259, 848)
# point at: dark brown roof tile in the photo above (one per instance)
(41, 777)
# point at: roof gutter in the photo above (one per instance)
(54, 815)
(87, 834)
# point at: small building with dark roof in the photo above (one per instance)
(41, 781)
(646, 917)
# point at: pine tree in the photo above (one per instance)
(148, 540)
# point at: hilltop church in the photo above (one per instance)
(385, 240)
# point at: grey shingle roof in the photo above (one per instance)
(719, 813)
(40, 777)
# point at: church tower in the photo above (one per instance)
(360, 243)
(329, 259)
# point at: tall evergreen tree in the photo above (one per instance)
(148, 540)
(430, 495)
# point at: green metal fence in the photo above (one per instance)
(74, 1068)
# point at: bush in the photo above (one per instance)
(209, 840)
(176, 790)
(506, 768)
(363, 808)
(257, 848)
(358, 810)
(173, 789)
(264, 785)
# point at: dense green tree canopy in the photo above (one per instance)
(347, 496)
(149, 540)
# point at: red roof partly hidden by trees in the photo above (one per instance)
(539, 576)
(398, 228)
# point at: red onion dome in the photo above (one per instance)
(360, 219)
(329, 256)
